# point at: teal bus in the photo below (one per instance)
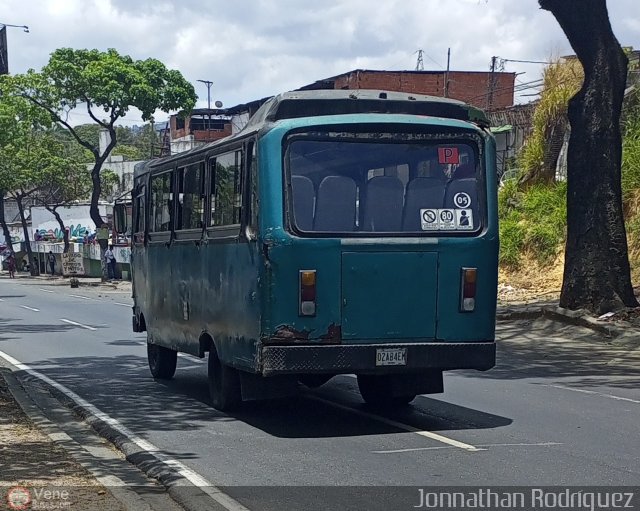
(340, 232)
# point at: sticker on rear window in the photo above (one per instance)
(448, 155)
(464, 219)
(462, 200)
(446, 219)
(429, 219)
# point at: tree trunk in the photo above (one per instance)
(34, 267)
(596, 273)
(3, 222)
(63, 230)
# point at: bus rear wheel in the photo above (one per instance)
(224, 384)
(377, 391)
(162, 361)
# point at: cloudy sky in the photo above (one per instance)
(256, 48)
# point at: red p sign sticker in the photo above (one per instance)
(448, 155)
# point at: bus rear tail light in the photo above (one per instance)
(468, 289)
(307, 293)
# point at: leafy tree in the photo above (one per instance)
(23, 164)
(21, 153)
(596, 273)
(104, 81)
(64, 180)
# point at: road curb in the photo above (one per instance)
(620, 333)
(183, 491)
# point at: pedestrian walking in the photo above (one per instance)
(51, 260)
(110, 261)
(11, 265)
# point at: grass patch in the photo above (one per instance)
(533, 221)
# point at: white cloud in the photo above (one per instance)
(251, 49)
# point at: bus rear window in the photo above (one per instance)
(356, 186)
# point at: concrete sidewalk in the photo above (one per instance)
(30, 461)
(54, 461)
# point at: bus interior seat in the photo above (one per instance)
(383, 206)
(465, 171)
(336, 205)
(422, 193)
(304, 196)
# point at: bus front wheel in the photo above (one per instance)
(378, 391)
(224, 384)
(162, 361)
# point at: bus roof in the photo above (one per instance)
(313, 103)
(290, 105)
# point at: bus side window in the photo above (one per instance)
(161, 203)
(190, 196)
(253, 184)
(226, 199)
(139, 227)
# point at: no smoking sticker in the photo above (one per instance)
(429, 219)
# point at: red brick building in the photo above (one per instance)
(479, 88)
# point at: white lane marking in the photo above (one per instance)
(83, 297)
(77, 324)
(539, 444)
(601, 394)
(1, 300)
(400, 425)
(46, 290)
(193, 477)
(30, 308)
(124, 304)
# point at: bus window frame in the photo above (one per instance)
(162, 236)
(231, 231)
(190, 234)
(139, 238)
(250, 210)
(321, 134)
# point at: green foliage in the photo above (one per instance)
(631, 153)
(561, 81)
(129, 152)
(532, 221)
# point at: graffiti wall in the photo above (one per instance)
(75, 218)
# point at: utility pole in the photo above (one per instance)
(446, 75)
(492, 83)
(4, 57)
(420, 62)
(208, 84)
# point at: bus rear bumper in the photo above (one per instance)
(361, 358)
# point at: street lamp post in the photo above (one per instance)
(208, 84)
(4, 59)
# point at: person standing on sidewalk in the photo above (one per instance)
(110, 261)
(11, 265)
(51, 259)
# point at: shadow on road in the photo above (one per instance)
(10, 326)
(122, 387)
(550, 350)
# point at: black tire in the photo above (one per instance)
(162, 361)
(376, 391)
(224, 384)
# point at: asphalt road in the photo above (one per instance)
(560, 408)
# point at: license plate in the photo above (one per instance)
(391, 357)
